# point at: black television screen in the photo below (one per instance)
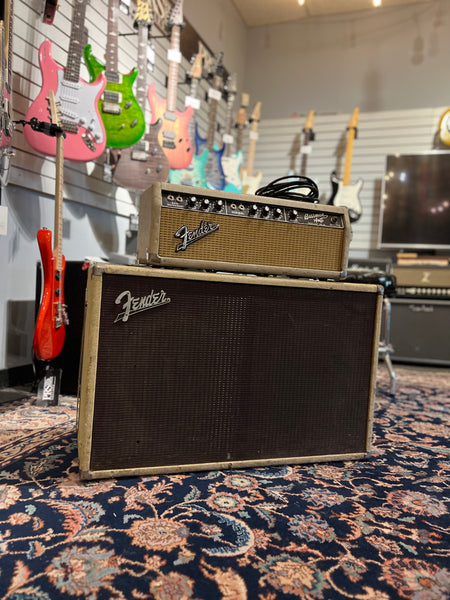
(415, 210)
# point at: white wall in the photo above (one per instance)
(383, 59)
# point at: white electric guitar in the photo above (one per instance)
(250, 182)
(343, 192)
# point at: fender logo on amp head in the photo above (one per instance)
(134, 305)
(189, 237)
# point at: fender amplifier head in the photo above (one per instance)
(187, 227)
(187, 371)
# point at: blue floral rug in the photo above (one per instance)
(373, 530)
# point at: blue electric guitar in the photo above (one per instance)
(215, 177)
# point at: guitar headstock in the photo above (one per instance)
(309, 123)
(245, 100)
(241, 119)
(256, 114)
(142, 15)
(195, 71)
(53, 107)
(354, 119)
(176, 14)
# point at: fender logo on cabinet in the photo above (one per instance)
(133, 305)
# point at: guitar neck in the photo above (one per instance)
(58, 225)
(112, 49)
(211, 123)
(346, 179)
(173, 70)
(304, 155)
(72, 72)
(8, 16)
(141, 82)
(229, 121)
(251, 147)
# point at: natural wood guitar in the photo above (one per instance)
(50, 329)
(344, 193)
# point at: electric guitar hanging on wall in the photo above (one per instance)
(144, 163)
(194, 174)
(50, 329)
(78, 100)
(6, 124)
(231, 163)
(308, 137)
(343, 192)
(214, 175)
(174, 134)
(121, 114)
(444, 128)
(250, 182)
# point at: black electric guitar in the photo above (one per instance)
(145, 162)
(343, 192)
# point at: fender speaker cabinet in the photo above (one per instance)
(186, 371)
(193, 228)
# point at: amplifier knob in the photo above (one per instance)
(205, 203)
(218, 205)
(265, 211)
(192, 201)
(293, 214)
(277, 212)
(253, 209)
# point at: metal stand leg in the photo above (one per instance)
(385, 347)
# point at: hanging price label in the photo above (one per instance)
(174, 55)
(214, 94)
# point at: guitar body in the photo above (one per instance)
(346, 195)
(194, 174)
(250, 183)
(122, 116)
(79, 109)
(48, 339)
(231, 166)
(214, 175)
(174, 134)
(142, 164)
(444, 128)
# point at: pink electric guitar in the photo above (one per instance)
(78, 100)
(174, 133)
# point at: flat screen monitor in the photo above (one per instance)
(415, 211)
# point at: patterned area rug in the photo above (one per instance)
(374, 530)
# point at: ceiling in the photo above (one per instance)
(269, 12)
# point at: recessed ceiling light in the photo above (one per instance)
(376, 3)
(301, 2)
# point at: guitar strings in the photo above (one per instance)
(289, 187)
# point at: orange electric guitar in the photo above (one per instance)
(174, 133)
(50, 329)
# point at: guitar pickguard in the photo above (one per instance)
(85, 134)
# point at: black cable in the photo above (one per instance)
(287, 187)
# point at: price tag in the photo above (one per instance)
(174, 55)
(48, 387)
(306, 149)
(191, 101)
(214, 94)
(227, 138)
(254, 135)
